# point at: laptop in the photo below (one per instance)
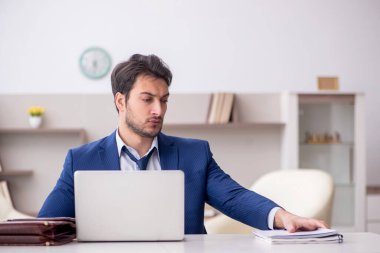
(129, 205)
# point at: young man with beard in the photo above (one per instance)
(141, 91)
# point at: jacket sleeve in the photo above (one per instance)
(232, 199)
(60, 202)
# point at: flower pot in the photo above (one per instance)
(35, 121)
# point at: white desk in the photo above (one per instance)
(353, 242)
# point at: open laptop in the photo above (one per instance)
(129, 205)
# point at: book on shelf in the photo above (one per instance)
(321, 235)
(227, 107)
(221, 108)
(215, 108)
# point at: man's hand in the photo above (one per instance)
(293, 223)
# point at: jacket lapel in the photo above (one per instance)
(167, 149)
(168, 153)
(108, 153)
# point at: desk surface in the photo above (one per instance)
(353, 242)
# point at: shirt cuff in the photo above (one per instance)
(271, 215)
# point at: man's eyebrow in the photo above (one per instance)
(153, 95)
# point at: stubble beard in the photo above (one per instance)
(139, 130)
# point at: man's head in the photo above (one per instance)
(125, 73)
(141, 90)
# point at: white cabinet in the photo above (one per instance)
(326, 131)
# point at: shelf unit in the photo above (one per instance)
(43, 150)
(6, 175)
(330, 112)
(233, 125)
(80, 131)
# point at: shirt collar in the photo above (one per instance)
(120, 143)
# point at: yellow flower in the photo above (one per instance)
(36, 110)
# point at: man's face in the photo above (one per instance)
(146, 106)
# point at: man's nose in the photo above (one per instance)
(157, 108)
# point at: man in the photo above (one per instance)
(141, 90)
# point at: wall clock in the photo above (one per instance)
(95, 62)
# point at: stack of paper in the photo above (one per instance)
(284, 237)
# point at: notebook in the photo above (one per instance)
(129, 205)
(321, 235)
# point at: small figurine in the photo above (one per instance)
(326, 138)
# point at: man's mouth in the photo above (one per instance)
(155, 121)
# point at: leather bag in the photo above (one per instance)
(39, 231)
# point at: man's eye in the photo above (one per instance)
(164, 101)
(147, 99)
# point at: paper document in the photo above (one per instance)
(321, 235)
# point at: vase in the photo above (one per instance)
(35, 121)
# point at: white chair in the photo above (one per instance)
(304, 192)
(7, 211)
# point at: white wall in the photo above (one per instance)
(239, 45)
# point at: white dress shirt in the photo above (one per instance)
(127, 164)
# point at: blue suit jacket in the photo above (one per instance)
(204, 181)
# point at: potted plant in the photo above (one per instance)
(35, 116)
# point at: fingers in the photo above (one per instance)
(321, 224)
(303, 224)
(291, 228)
(293, 223)
(309, 224)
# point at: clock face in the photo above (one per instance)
(95, 62)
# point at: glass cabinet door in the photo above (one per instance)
(326, 135)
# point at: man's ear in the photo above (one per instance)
(120, 101)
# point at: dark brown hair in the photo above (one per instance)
(125, 73)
